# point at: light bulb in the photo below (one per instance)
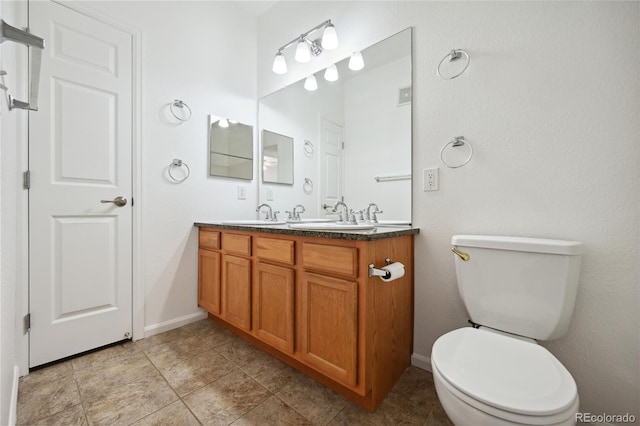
(279, 64)
(356, 62)
(329, 37)
(331, 73)
(311, 83)
(224, 123)
(303, 54)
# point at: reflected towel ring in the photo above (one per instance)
(454, 55)
(182, 105)
(308, 186)
(308, 147)
(178, 163)
(457, 141)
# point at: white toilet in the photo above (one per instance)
(515, 290)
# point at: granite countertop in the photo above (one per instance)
(378, 233)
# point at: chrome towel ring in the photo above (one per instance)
(456, 142)
(175, 164)
(307, 187)
(454, 55)
(181, 114)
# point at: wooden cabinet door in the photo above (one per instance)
(209, 281)
(329, 326)
(236, 291)
(273, 305)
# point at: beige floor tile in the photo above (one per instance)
(95, 382)
(438, 417)
(272, 412)
(193, 373)
(386, 414)
(414, 393)
(216, 336)
(202, 326)
(226, 399)
(314, 401)
(37, 400)
(130, 402)
(175, 414)
(242, 353)
(48, 374)
(73, 416)
(271, 373)
(102, 358)
(176, 350)
(158, 339)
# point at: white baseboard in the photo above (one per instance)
(421, 361)
(153, 329)
(13, 408)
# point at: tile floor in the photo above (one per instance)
(204, 374)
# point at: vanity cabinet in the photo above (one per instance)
(308, 300)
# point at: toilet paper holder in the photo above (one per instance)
(375, 272)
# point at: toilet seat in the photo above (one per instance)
(505, 376)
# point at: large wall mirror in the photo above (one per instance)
(277, 158)
(230, 148)
(351, 137)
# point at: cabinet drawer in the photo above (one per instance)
(236, 243)
(209, 239)
(276, 250)
(332, 259)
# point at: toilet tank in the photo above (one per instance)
(524, 286)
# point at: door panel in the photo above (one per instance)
(273, 305)
(331, 164)
(236, 290)
(80, 152)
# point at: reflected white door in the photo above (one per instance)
(331, 164)
(80, 152)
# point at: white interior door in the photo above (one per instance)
(331, 164)
(80, 152)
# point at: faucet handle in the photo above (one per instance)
(289, 216)
(360, 213)
(374, 219)
(274, 215)
(352, 217)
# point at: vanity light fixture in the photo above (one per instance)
(279, 63)
(306, 47)
(311, 83)
(331, 73)
(356, 62)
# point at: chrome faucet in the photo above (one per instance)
(371, 216)
(297, 210)
(269, 214)
(341, 218)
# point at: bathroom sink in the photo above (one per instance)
(311, 220)
(253, 222)
(389, 222)
(331, 226)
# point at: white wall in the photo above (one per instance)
(551, 102)
(203, 53)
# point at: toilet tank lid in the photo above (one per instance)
(534, 245)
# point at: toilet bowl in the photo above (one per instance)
(515, 290)
(487, 378)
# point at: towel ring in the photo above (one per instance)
(457, 141)
(307, 187)
(308, 147)
(178, 163)
(454, 55)
(182, 105)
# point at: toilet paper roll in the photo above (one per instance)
(395, 269)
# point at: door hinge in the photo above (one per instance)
(133, 202)
(342, 144)
(27, 323)
(26, 179)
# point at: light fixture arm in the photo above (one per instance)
(305, 37)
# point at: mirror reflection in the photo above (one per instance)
(277, 158)
(230, 148)
(351, 137)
